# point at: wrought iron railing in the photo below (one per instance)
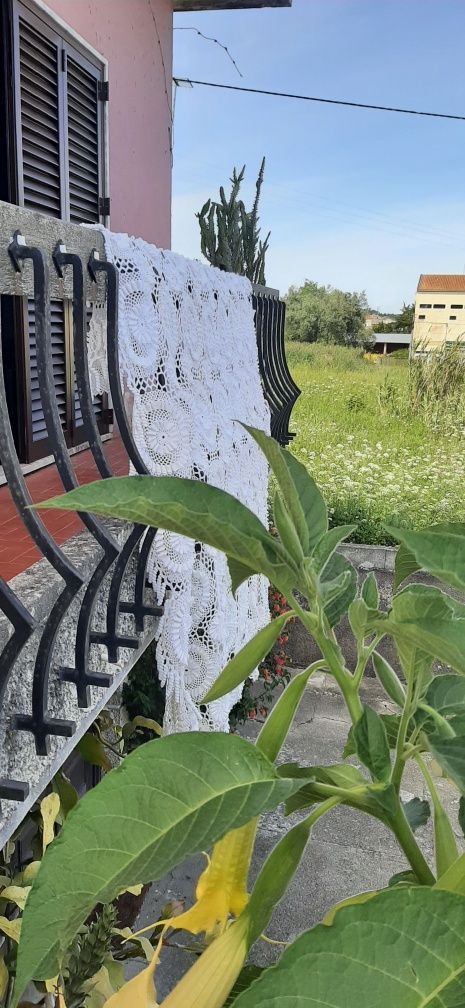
(66, 655)
(74, 623)
(280, 389)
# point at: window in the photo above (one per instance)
(439, 306)
(456, 306)
(54, 164)
(425, 306)
(59, 92)
(452, 318)
(422, 316)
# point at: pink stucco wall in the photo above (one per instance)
(135, 36)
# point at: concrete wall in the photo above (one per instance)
(438, 324)
(135, 36)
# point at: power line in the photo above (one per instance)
(209, 38)
(326, 101)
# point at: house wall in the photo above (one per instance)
(136, 39)
(438, 326)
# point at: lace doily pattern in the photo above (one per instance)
(188, 360)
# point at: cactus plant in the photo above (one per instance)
(230, 235)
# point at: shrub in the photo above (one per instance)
(401, 945)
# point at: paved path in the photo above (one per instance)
(347, 853)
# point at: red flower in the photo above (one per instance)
(276, 607)
(251, 713)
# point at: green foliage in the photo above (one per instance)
(230, 235)
(374, 468)
(403, 947)
(179, 794)
(184, 792)
(324, 314)
(142, 695)
(403, 322)
(87, 955)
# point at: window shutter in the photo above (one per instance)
(39, 119)
(38, 429)
(60, 142)
(83, 143)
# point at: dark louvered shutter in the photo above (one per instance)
(83, 143)
(38, 430)
(61, 172)
(40, 121)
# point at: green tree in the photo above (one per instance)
(403, 322)
(325, 314)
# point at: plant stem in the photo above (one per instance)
(402, 831)
(321, 810)
(329, 649)
(398, 767)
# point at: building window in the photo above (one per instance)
(425, 306)
(439, 306)
(422, 316)
(456, 306)
(452, 318)
(53, 163)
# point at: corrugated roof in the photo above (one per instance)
(454, 282)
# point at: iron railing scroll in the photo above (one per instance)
(71, 630)
(280, 389)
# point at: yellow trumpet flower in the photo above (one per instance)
(221, 889)
(209, 981)
(221, 892)
(140, 991)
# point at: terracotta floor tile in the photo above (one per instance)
(17, 549)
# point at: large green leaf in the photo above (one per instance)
(337, 605)
(189, 507)
(328, 543)
(245, 662)
(273, 734)
(439, 550)
(169, 798)
(372, 744)
(446, 693)
(370, 593)
(450, 754)
(305, 503)
(405, 565)
(405, 948)
(275, 876)
(391, 724)
(426, 619)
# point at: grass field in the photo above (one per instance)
(373, 467)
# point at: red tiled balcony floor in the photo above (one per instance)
(17, 550)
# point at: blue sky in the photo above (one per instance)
(358, 199)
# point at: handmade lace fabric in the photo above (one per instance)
(188, 360)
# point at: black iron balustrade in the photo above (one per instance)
(43, 258)
(279, 388)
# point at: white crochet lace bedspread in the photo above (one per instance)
(188, 358)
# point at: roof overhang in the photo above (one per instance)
(180, 6)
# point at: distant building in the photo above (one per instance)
(374, 318)
(439, 310)
(386, 343)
